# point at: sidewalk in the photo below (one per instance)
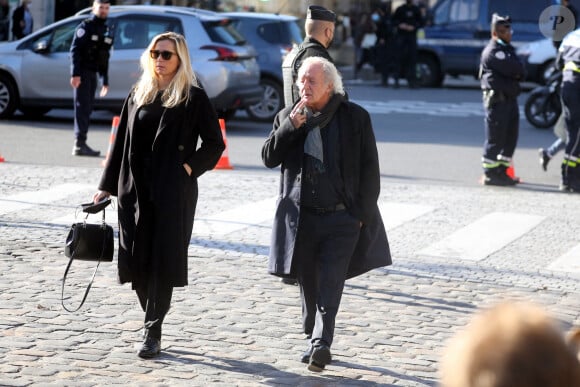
(235, 324)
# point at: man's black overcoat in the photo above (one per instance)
(360, 172)
(174, 192)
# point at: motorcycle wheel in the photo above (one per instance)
(543, 111)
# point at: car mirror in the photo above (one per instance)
(41, 47)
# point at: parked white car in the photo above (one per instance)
(539, 57)
(35, 70)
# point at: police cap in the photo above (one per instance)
(497, 20)
(316, 12)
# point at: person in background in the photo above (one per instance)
(568, 60)
(22, 22)
(90, 50)
(408, 20)
(4, 20)
(327, 225)
(386, 61)
(319, 29)
(511, 344)
(365, 27)
(501, 72)
(153, 170)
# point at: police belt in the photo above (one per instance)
(324, 210)
(497, 96)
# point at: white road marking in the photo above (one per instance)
(396, 214)
(30, 199)
(569, 262)
(483, 237)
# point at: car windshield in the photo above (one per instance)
(222, 31)
(520, 11)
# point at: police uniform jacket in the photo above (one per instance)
(90, 48)
(173, 191)
(568, 58)
(409, 14)
(359, 167)
(501, 69)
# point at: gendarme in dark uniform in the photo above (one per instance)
(309, 47)
(501, 72)
(90, 50)
(568, 60)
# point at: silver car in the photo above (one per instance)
(35, 71)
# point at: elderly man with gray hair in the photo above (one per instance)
(327, 225)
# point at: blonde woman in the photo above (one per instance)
(153, 170)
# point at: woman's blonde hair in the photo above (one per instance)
(178, 90)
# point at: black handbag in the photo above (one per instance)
(88, 242)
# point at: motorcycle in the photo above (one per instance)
(543, 105)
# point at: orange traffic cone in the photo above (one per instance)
(511, 172)
(114, 127)
(224, 161)
(2, 159)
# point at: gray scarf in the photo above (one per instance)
(316, 122)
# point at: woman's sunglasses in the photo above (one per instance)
(166, 55)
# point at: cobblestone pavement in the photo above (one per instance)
(235, 324)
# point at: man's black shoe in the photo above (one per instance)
(150, 348)
(320, 358)
(84, 150)
(289, 281)
(306, 355)
(544, 158)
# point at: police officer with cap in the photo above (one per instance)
(568, 60)
(501, 72)
(90, 52)
(319, 28)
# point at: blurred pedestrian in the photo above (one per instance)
(558, 145)
(408, 20)
(511, 345)
(153, 170)
(501, 72)
(4, 20)
(319, 29)
(327, 226)
(90, 50)
(386, 58)
(364, 41)
(568, 60)
(22, 22)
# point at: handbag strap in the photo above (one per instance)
(92, 278)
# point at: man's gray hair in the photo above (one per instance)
(331, 74)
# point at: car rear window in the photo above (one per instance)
(222, 31)
(136, 32)
(286, 33)
(520, 11)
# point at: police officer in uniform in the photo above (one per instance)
(408, 20)
(319, 28)
(501, 72)
(568, 60)
(90, 56)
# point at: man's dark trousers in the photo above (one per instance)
(501, 129)
(324, 246)
(84, 97)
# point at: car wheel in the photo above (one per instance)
(428, 72)
(7, 97)
(34, 112)
(270, 105)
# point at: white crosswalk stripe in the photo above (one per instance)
(569, 262)
(459, 109)
(24, 200)
(483, 237)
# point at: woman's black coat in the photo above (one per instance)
(359, 166)
(174, 192)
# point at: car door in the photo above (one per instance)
(46, 64)
(133, 33)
